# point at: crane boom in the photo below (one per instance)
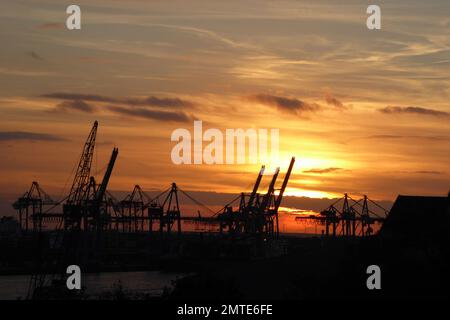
(81, 179)
(102, 189)
(285, 182)
(270, 191)
(256, 186)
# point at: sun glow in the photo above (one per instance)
(298, 192)
(301, 163)
(300, 212)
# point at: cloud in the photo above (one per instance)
(333, 101)
(430, 172)
(78, 105)
(414, 110)
(146, 101)
(291, 105)
(159, 102)
(151, 107)
(425, 172)
(322, 171)
(35, 56)
(78, 96)
(152, 114)
(30, 136)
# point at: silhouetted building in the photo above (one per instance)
(418, 219)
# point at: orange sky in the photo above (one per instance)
(362, 111)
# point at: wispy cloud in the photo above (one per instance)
(151, 107)
(145, 101)
(206, 33)
(30, 136)
(78, 105)
(424, 172)
(152, 114)
(322, 171)
(159, 102)
(78, 96)
(290, 105)
(414, 110)
(335, 102)
(430, 172)
(35, 56)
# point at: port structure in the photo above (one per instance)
(30, 207)
(353, 218)
(90, 208)
(257, 213)
(84, 204)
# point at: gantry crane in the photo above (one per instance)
(83, 211)
(133, 208)
(73, 208)
(281, 193)
(31, 205)
(349, 221)
(258, 215)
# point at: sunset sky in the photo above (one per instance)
(364, 112)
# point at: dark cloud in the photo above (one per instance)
(159, 102)
(152, 114)
(322, 171)
(414, 110)
(426, 172)
(333, 101)
(78, 96)
(150, 101)
(30, 136)
(290, 105)
(148, 108)
(35, 56)
(78, 105)
(430, 172)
